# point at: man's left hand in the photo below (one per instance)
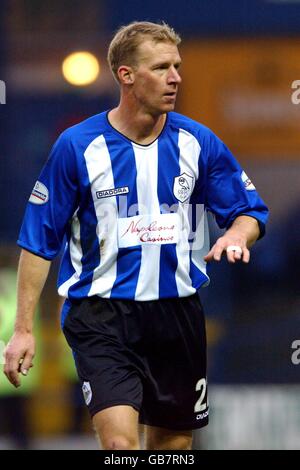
(235, 249)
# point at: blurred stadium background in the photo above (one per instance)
(239, 62)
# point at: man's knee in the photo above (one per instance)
(120, 443)
(117, 428)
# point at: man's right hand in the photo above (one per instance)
(18, 356)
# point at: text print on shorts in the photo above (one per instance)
(199, 406)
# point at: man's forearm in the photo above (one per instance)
(32, 274)
(247, 227)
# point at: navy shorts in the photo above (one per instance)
(150, 355)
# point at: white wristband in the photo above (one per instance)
(234, 248)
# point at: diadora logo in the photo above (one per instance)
(112, 192)
(183, 186)
(202, 415)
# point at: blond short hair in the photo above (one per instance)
(123, 47)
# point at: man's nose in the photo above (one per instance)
(174, 76)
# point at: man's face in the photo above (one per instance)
(156, 76)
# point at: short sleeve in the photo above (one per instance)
(52, 202)
(229, 191)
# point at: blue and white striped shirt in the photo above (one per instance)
(135, 215)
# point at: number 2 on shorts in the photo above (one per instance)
(199, 406)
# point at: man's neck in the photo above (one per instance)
(137, 125)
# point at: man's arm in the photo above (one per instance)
(32, 274)
(243, 233)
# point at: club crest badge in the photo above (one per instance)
(183, 186)
(87, 392)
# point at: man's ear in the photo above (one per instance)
(126, 75)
